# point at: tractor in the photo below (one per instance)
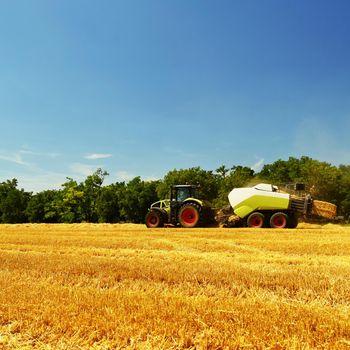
(183, 208)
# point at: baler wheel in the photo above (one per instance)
(256, 220)
(279, 220)
(293, 221)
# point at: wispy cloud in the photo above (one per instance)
(39, 154)
(21, 156)
(93, 156)
(13, 157)
(124, 175)
(258, 165)
(83, 169)
(40, 181)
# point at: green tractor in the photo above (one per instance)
(183, 208)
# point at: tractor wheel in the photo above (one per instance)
(189, 215)
(154, 219)
(279, 220)
(256, 220)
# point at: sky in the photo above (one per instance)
(141, 87)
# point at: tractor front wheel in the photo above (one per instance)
(154, 219)
(189, 215)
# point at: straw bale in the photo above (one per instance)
(324, 209)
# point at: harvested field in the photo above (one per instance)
(124, 286)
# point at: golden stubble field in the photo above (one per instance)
(124, 286)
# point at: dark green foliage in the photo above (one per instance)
(344, 190)
(322, 179)
(208, 186)
(108, 203)
(238, 176)
(91, 189)
(13, 202)
(42, 207)
(71, 202)
(137, 198)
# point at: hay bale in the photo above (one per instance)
(324, 209)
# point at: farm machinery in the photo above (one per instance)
(262, 205)
(183, 208)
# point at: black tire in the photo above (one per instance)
(293, 221)
(279, 220)
(154, 219)
(189, 215)
(256, 220)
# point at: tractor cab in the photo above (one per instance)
(180, 193)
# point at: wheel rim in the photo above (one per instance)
(256, 221)
(153, 220)
(189, 216)
(279, 221)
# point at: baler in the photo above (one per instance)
(263, 205)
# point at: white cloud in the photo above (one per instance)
(20, 157)
(94, 156)
(83, 169)
(39, 154)
(123, 175)
(258, 165)
(45, 180)
(13, 157)
(151, 178)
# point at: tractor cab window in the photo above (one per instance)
(183, 193)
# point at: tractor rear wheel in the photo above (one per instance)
(256, 220)
(154, 219)
(189, 215)
(279, 220)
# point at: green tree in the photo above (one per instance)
(108, 205)
(222, 171)
(207, 181)
(69, 204)
(239, 176)
(321, 178)
(343, 193)
(282, 172)
(13, 202)
(91, 188)
(137, 197)
(42, 207)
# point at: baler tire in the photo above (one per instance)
(256, 220)
(189, 215)
(293, 221)
(279, 220)
(154, 219)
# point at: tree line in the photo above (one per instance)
(91, 201)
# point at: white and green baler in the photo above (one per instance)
(263, 205)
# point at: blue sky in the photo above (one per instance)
(140, 87)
